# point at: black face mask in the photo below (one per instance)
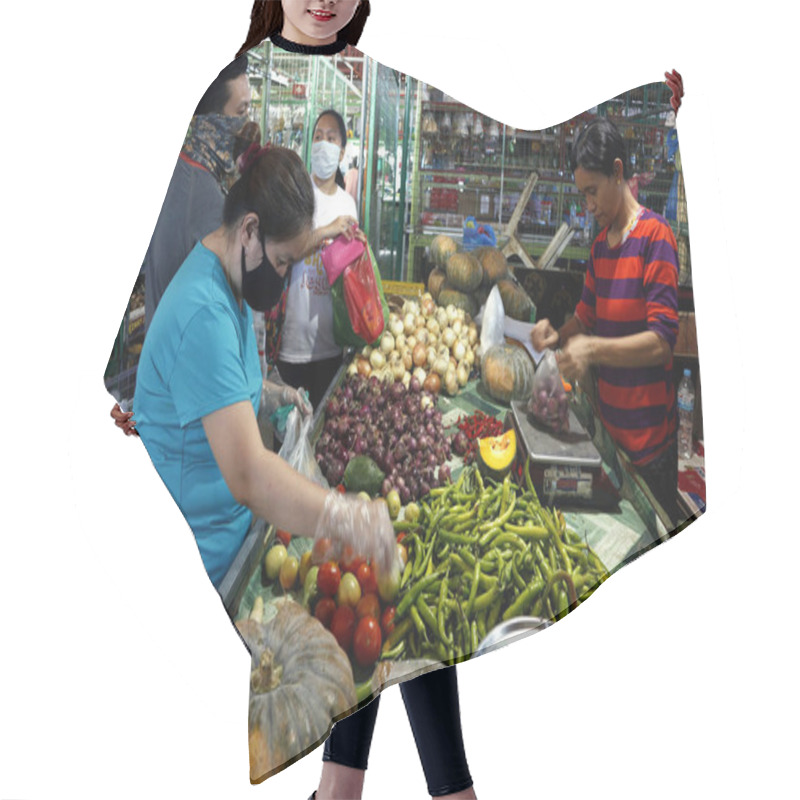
(262, 287)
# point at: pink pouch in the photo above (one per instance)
(338, 254)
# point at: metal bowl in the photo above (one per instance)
(509, 631)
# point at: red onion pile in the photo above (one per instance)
(399, 428)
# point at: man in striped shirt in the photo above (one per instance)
(626, 322)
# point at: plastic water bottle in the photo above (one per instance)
(685, 415)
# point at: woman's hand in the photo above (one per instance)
(275, 395)
(345, 225)
(543, 336)
(124, 420)
(575, 358)
(364, 525)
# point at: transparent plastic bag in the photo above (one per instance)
(493, 322)
(297, 451)
(549, 402)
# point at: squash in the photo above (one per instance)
(301, 680)
(466, 302)
(435, 282)
(464, 272)
(442, 247)
(494, 265)
(481, 295)
(507, 373)
(516, 302)
(496, 454)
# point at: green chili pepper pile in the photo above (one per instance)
(481, 553)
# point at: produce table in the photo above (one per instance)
(616, 535)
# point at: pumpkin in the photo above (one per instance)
(481, 295)
(494, 265)
(466, 302)
(435, 282)
(496, 454)
(516, 302)
(507, 373)
(442, 247)
(301, 680)
(464, 272)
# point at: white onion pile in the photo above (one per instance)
(437, 346)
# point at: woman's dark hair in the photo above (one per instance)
(276, 187)
(597, 147)
(342, 135)
(266, 19)
(218, 94)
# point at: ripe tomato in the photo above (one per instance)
(320, 550)
(400, 536)
(366, 577)
(349, 592)
(367, 641)
(350, 560)
(328, 578)
(284, 537)
(343, 626)
(368, 606)
(387, 620)
(324, 610)
(340, 488)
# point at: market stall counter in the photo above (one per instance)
(480, 549)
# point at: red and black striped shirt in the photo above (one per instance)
(629, 289)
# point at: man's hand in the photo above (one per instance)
(124, 420)
(575, 358)
(543, 336)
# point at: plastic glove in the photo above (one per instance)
(276, 395)
(363, 525)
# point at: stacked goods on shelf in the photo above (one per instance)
(464, 279)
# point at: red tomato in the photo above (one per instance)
(368, 606)
(350, 560)
(324, 610)
(366, 577)
(343, 626)
(387, 620)
(367, 641)
(340, 488)
(400, 536)
(284, 537)
(328, 578)
(319, 553)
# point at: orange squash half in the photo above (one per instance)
(496, 454)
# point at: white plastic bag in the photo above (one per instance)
(297, 451)
(493, 322)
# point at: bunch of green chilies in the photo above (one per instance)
(480, 553)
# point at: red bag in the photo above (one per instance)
(363, 299)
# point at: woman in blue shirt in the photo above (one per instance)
(199, 382)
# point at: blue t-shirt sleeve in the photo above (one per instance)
(209, 371)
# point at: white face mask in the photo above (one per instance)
(325, 159)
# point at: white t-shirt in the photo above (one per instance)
(308, 326)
